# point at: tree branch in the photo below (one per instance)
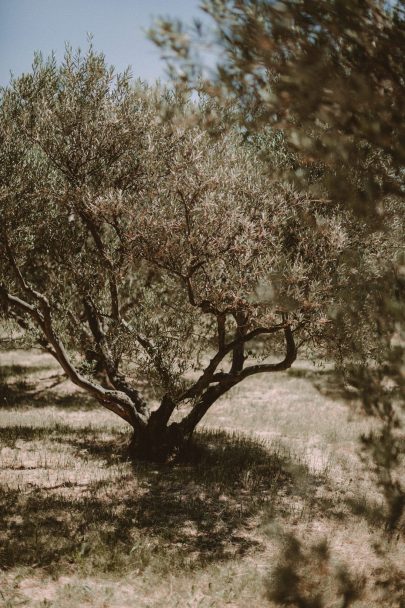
(290, 356)
(25, 286)
(208, 374)
(117, 379)
(94, 231)
(238, 355)
(116, 401)
(221, 319)
(227, 381)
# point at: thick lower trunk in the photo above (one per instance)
(156, 443)
(158, 440)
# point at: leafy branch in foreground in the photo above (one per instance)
(306, 577)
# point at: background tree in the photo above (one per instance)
(137, 249)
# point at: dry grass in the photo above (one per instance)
(83, 526)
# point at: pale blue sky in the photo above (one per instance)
(117, 26)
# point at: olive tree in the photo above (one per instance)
(158, 267)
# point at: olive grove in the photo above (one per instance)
(159, 267)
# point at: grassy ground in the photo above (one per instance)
(83, 526)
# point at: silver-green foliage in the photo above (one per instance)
(137, 247)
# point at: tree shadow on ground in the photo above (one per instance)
(204, 507)
(19, 386)
(58, 432)
(17, 371)
(197, 510)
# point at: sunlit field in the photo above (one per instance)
(82, 525)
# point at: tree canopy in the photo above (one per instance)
(152, 262)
